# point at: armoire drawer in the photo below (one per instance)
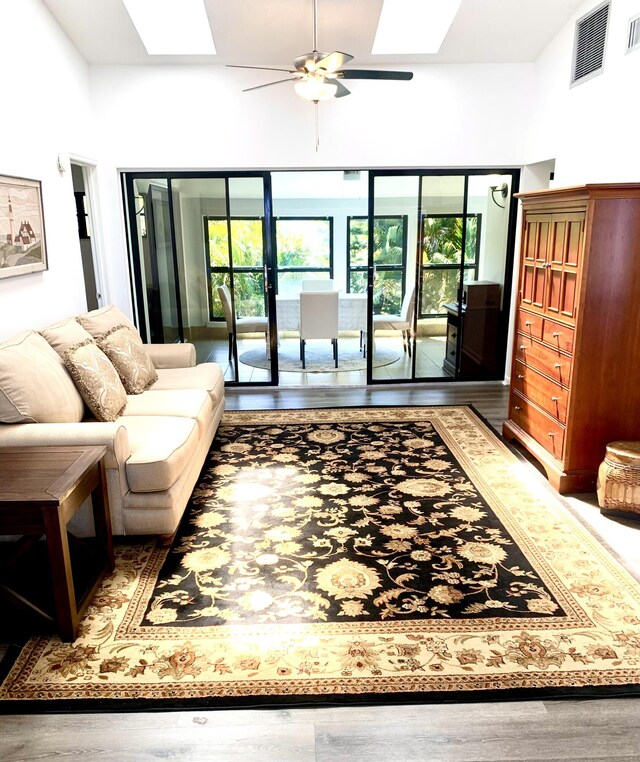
(549, 361)
(539, 389)
(530, 324)
(545, 430)
(558, 335)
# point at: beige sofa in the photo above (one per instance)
(157, 445)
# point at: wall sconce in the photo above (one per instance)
(62, 162)
(503, 190)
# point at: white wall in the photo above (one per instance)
(46, 111)
(590, 129)
(196, 117)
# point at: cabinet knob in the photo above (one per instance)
(520, 375)
(555, 334)
(517, 407)
(551, 434)
(557, 365)
(528, 323)
(554, 399)
(522, 347)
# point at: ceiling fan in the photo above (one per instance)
(318, 76)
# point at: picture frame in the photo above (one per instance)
(22, 237)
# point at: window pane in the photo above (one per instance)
(218, 243)
(388, 240)
(439, 287)
(303, 243)
(358, 236)
(442, 242)
(247, 243)
(217, 279)
(249, 293)
(387, 293)
(471, 243)
(358, 282)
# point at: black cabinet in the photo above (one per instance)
(472, 342)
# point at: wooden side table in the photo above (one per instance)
(41, 488)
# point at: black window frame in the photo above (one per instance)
(454, 265)
(218, 269)
(401, 268)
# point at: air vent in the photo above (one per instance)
(591, 36)
(633, 40)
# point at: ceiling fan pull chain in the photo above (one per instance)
(315, 108)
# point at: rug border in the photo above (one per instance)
(342, 700)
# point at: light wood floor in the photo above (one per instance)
(527, 731)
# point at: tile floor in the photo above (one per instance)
(429, 355)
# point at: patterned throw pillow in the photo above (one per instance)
(96, 379)
(127, 353)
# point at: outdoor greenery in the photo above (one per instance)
(388, 256)
(441, 259)
(301, 243)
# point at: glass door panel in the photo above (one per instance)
(392, 268)
(249, 279)
(443, 239)
(161, 298)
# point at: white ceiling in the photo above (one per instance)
(274, 32)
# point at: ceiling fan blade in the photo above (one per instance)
(374, 74)
(334, 61)
(263, 68)
(268, 84)
(341, 91)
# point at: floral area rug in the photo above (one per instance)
(341, 555)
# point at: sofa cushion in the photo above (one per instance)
(161, 448)
(129, 357)
(34, 385)
(180, 403)
(207, 376)
(64, 335)
(96, 379)
(100, 322)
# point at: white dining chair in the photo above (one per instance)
(318, 320)
(316, 284)
(254, 324)
(402, 322)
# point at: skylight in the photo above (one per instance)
(414, 26)
(172, 27)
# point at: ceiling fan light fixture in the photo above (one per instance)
(314, 87)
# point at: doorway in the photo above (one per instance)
(84, 215)
(421, 261)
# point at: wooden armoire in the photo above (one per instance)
(575, 378)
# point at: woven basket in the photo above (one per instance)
(619, 478)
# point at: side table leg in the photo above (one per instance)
(102, 518)
(61, 575)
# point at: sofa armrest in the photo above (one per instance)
(113, 435)
(172, 355)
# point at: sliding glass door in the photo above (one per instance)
(203, 267)
(421, 259)
(452, 319)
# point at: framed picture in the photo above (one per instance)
(22, 243)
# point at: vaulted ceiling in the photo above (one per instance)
(273, 32)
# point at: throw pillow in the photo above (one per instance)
(96, 379)
(65, 334)
(129, 357)
(99, 322)
(34, 384)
